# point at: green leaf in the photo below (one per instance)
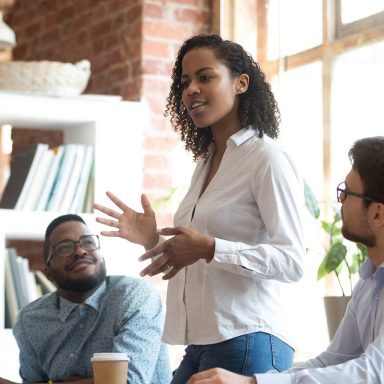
(327, 227)
(162, 202)
(332, 259)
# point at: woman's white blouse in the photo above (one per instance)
(252, 207)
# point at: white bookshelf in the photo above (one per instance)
(113, 127)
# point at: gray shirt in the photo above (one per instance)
(57, 338)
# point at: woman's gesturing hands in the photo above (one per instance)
(184, 248)
(139, 228)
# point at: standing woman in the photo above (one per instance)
(237, 237)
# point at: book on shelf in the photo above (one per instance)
(73, 181)
(55, 179)
(81, 188)
(62, 177)
(89, 198)
(27, 279)
(49, 182)
(20, 166)
(22, 298)
(38, 181)
(22, 286)
(46, 285)
(12, 304)
(40, 149)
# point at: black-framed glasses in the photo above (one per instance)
(342, 194)
(67, 248)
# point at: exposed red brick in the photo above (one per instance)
(161, 28)
(187, 2)
(157, 67)
(161, 181)
(161, 123)
(155, 86)
(67, 12)
(160, 143)
(151, 48)
(191, 16)
(157, 162)
(153, 10)
(133, 13)
(102, 28)
(120, 5)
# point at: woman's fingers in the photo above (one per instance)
(171, 272)
(153, 252)
(158, 265)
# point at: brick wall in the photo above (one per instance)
(166, 24)
(131, 44)
(105, 32)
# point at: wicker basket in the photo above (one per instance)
(47, 77)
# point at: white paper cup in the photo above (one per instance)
(110, 368)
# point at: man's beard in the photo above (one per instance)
(84, 284)
(368, 240)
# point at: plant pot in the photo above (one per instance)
(335, 307)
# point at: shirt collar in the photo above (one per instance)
(66, 306)
(237, 138)
(242, 135)
(368, 269)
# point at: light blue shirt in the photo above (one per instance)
(356, 354)
(57, 338)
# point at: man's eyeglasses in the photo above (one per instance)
(342, 194)
(67, 248)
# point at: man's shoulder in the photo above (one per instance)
(38, 309)
(129, 284)
(46, 301)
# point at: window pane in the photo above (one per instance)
(352, 10)
(300, 100)
(357, 103)
(293, 26)
(299, 94)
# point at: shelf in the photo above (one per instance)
(30, 225)
(113, 127)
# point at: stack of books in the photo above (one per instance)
(51, 179)
(22, 285)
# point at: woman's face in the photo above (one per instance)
(209, 90)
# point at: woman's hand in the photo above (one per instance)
(184, 248)
(139, 228)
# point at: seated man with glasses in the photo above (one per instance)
(356, 353)
(90, 312)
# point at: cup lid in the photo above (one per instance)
(110, 356)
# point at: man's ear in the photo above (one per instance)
(377, 214)
(242, 83)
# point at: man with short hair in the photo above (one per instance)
(90, 312)
(356, 354)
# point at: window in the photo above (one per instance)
(350, 50)
(324, 59)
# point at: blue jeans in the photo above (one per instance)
(248, 354)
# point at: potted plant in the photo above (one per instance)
(342, 258)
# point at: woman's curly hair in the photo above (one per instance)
(257, 106)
